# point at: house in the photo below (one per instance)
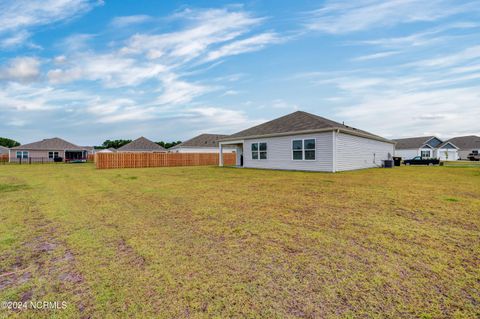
(3, 150)
(142, 144)
(427, 147)
(466, 145)
(107, 150)
(203, 143)
(47, 150)
(304, 141)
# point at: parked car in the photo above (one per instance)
(418, 160)
(474, 156)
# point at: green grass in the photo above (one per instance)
(207, 242)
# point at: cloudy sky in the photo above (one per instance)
(90, 70)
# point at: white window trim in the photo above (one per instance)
(426, 150)
(22, 153)
(258, 152)
(303, 149)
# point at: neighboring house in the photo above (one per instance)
(141, 144)
(304, 141)
(107, 150)
(3, 150)
(466, 145)
(47, 150)
(203, 143)
(426, 147)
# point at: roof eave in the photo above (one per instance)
(352, 132)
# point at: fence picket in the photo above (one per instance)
(137, 160)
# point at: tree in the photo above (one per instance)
(168, 144)
(8, 142)
(115, 143)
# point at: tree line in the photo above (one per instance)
(7, 142)
(119, 143)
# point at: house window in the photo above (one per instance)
(23, 155)
(425, 154)
(303, 150)
(52, 154)
(259, 151)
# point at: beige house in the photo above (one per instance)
(48, 150)
(143, 145)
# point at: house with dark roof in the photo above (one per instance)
(203, 143)
(426, 147)
(48, 150)
(143, 145)
(308, 142)
(466, 145)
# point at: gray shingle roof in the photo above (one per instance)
(297, 122)
(141, 144)
(49, 144)
(466, 142)
(202, 140)
(411, 142)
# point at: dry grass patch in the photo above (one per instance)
(206, 242)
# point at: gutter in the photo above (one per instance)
(338, 129)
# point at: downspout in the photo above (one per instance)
(334, 153)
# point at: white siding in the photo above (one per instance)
(226, 149)
(279, 153)
(407, 154)
(354, 152)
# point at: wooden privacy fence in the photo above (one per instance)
(132, 160)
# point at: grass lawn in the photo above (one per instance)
(220, 242)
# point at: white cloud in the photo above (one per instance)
(125, 21)
(111, 69)
(176, 91)
(205, 28)
(15, 40)
(253, 43)
(220, 119)
(19, 16)
(338, 17)
(375, 56)
(21, 69)
(462, 56)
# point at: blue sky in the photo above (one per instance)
(89, 70)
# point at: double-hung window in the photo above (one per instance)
(425, 154)
(23, 155)
(52, 154)
(259, 151)
(303, 150)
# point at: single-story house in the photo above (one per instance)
(426, 147)
(203, 143)
(466, 145)
(142, 144)
(3, 150)
(47, 150)
(107, 150)
(304, 141)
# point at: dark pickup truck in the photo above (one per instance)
(474, 156)
(417, 160)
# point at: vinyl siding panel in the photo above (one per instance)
(354, 152)
(407, 154)
(35, 154)
(226, 149)
(279, 153)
